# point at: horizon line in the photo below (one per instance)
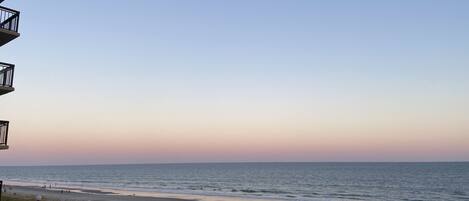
(241, 162)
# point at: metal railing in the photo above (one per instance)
(7, 72)
(9, 19)
(3, 133)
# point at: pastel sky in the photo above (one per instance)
(226, 81)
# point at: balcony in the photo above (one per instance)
(3, 134)
(9, 20)
(6, 78)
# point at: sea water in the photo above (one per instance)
(274, 181)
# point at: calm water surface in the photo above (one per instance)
(285, 181)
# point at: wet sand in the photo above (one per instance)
(29, 192)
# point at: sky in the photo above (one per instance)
(104, 82)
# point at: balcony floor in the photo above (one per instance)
(7, 35)
(5, 90)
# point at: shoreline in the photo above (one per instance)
(88, 194)
(29, 192)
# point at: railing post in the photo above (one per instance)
(17, 26)
(4, 79)
(6, 135)
(11, 79)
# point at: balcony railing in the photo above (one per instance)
(9, 19)
(6, 74)
(3, 134)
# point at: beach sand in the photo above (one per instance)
(27, 193)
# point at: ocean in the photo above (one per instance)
(270, 181)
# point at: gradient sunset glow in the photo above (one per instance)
(218, 81)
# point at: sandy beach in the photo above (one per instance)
(29, 192)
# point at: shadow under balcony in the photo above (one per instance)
(9, 20)
(3, 134)
(6, 78)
